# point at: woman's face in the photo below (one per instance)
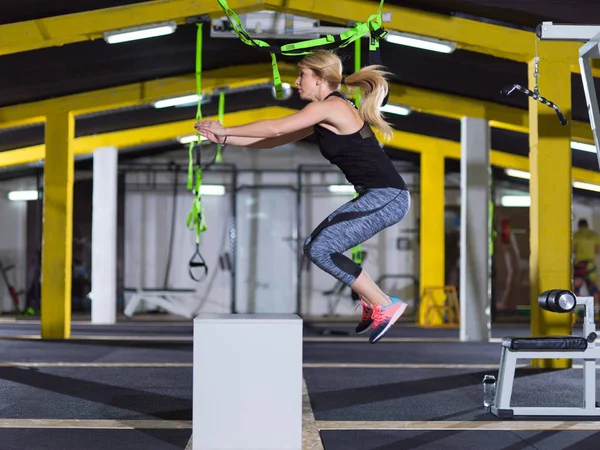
(307, 84)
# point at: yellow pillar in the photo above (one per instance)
(551, 193)
(57, 248)
(432, 233)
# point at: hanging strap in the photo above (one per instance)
(535, 94)
(195, 219)
(372, 26)
(356, 251)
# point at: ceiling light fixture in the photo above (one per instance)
(141, 32)
(185, 100)
(515, 200)
(576, 184)
(422, 42)
(212, 189)
(517, 173)
(586, 186)
(341, 189)
(396, 109)
(22, 196)
(190, 138)
(583, 147)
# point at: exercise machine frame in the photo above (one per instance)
(590, 34)
(589, 355)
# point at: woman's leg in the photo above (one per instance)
(366, 288)
(350, 225)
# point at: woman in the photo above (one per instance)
(345, 139)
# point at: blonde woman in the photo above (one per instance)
(346, 140)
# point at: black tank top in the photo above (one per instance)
(359, 156)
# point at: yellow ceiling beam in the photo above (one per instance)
(470, 35)
(90, 25)
(135, 94)
(164, 132)
(421, 100)
(24, 155)
(138, 136)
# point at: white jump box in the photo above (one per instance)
(247, 382)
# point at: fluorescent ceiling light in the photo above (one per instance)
(515, 200)
(342, 189)
(190, 138)
(583, 147)
(411, 40)
(576, 184)
(518, 174)
(396, 109)
(17, 196)
(142, 32)
(185, 100)
(586, 186)
(212, 189)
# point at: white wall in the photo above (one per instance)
(148, 222)
(268, 241)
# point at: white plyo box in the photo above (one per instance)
(247, 382)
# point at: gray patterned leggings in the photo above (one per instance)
(351, 224)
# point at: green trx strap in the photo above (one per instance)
(356, 251)
(195, 219)
(372, 26)
(357, 67)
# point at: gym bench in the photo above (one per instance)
(551, 347)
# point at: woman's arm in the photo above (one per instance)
(253, 142)
(279, 140)
(309, 116)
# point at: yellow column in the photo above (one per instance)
(551, 193)
(57, 246)
(432, 233)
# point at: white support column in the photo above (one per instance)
(475, 324)
(104, 236)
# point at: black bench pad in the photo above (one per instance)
(575, 343)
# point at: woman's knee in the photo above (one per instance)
(306, 248)
(316, 252)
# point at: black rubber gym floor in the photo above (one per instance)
(70, 439)
(142, 372)
(460, 440)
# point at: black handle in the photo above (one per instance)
(509, 89)
(197, 261)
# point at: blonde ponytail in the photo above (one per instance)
(371, 81)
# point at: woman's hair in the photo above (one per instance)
(370, 80)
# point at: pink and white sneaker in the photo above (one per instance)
(366, 319)
(384, 317)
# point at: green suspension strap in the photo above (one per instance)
(357, 255)
(357, 67)
(372, 26)
(195, 219)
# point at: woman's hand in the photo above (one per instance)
(211, 127)
(211, 137)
